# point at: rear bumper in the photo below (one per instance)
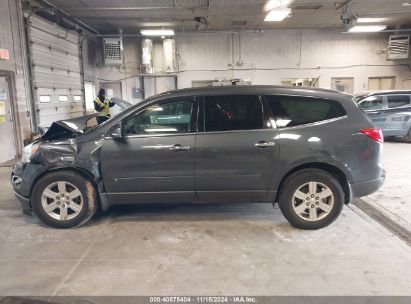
(367, 187)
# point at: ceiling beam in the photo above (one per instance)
(159, 19)
(113, 8)
(128, 8)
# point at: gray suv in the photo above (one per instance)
(388, 110)
(309, 150)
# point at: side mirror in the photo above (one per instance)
(42, 131)
(117, 131)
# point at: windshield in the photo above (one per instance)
(127, 105)
(102, 120)
(358, 98)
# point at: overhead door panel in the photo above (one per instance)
(55, 71)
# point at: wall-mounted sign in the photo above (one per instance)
(4, 54)
(2, 108)
(3, 94)
(2, 111)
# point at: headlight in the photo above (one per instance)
(28, 151)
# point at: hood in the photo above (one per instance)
(122, 104)
(69, 128)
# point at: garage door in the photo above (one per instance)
(55, 72)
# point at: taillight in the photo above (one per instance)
(374, 133)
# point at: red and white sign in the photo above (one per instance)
(4, 54)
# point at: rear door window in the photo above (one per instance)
(289, 111)
(395, 101)
(372, 103)
(232, 112)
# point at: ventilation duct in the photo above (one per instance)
(147, 56)
(113, 51)
(169, 55)
(399, 47)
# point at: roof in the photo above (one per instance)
(252, 89)
(383, 92)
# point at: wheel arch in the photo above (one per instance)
(82, 172)
(333, 170)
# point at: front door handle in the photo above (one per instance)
(264, 144)
(178, 147)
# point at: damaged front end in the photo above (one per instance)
(60, 148)
(70, 144)
(70, 128)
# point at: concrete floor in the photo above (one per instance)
(394, 197)
(199, 250)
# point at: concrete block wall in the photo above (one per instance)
(269, 57)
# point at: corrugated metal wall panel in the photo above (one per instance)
(53, 29)
(55, 71)
(58, 46)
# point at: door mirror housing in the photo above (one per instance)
(117, 131)
(42, 131)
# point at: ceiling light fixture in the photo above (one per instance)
(157, 32)
(407, 3)
(278, 14)
(370, 20)
(367, 28)
(270, 4)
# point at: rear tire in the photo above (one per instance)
(64, 199)
(311, 199)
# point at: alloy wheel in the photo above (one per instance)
(62, 200)
(313, 201)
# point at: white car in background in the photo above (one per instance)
(389, 111)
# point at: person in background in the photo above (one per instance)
(102, 104)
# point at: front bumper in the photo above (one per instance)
(22, 179)
(24, 202)
(365, 188)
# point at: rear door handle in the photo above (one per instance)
(264, 144)
(178, 147)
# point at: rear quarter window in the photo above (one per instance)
(396, 101)
(289, 111)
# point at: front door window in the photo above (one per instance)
(372, 103)
(172, 117)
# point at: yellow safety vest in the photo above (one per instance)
(105, 104)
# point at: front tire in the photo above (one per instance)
(63, 199)
(311, 199)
